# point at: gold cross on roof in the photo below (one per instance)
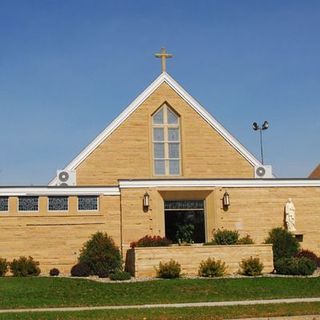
(163, 55)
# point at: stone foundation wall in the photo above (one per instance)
(142, 262)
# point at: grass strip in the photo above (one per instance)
(205, 313)
(63, 292)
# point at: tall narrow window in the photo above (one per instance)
(166, 142)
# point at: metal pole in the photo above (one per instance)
(261, 146)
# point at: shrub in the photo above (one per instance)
(54, 272)
(80, 269)
(251, 267)
(151, 241)
(284, 243)
(295, 266)
(24, 267)
(3, 267)
(225, 237)
(169, 270)
(310, 255)
(101, 255)
(120, 276)
(245, 240)
(185, 233)
(212, 268)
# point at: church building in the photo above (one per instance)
(163, 162)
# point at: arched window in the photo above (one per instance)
(166, 142)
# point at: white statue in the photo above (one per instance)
(290, 212)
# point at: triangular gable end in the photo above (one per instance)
(164, 77)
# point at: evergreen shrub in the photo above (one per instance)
(24, 267)
(245, 240)
(251, 267)
(151, 241)
(212, 268)
(295, 266)
(225, 237)
(120, 276)
(310, 255)
(169, 270)
(54, 272)
(284, 243)
(80, 269)
(3, 267)
(101, 255)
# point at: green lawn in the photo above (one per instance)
(204, 313)
(54, 292)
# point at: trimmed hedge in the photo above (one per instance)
(310, 255)
(101, 255)
(24, 267)
(212, 268)
(225, 237)
(295, 266)
(54, 272)
(3, 267)
(251, 267)
(80, 269)
(151, 241)
(284, 243)
(169, 270)
(120, 276)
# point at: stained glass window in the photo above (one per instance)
(28, 203)
(4, 204)
(58, 203)
(88, 203)
(166, 142)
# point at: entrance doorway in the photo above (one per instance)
(181, 214)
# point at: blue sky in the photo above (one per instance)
(68, 68)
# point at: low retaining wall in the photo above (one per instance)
(142, 261)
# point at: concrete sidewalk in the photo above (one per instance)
(169, 305)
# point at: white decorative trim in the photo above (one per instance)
(164, 77)
(241, 183)
(59, 191)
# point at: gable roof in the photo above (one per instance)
(315, 173)
(163, 78)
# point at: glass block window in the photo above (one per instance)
(4, 204)
(28, 203)
(88, 203)
(58, 203)
(184, 205)
(166, 142)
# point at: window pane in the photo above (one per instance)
(87, 203)
(173, 150)
(58, 203)
(173, 134)
(3, 203)
(28, 203)
(172, 118)
(174, 167)
(159, 166)
(159, 150)
(158, 117)
(158, 134)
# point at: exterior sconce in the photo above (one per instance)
(226, 200)
(146, 200)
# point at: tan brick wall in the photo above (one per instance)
(127, 152)
(54, 239)
(253, 211)
(256, 211)
(147, 259)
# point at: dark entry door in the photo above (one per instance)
(185, 212)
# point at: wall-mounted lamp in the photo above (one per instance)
(146, 200)
(226, 200)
